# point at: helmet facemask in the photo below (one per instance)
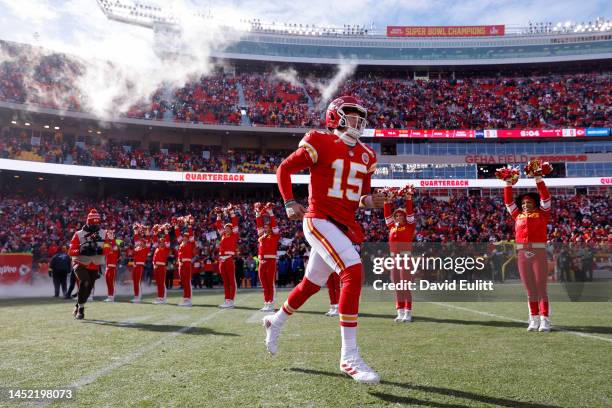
(352, 120)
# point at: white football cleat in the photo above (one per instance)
(407, 316)
(228, 304)
(545, 325)
(333, 311)
(534, 323)
(110, 299)
(272, 333)
(135, 300)
(186, 302)
(160, 301)
(400, 315)
(353, 365)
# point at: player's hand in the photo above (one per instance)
(257, 207)
(295, 211)
(376, 200)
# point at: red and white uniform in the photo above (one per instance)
(340, 174)
(160, 258)
(93, 262)
(186, 252)
(140, 253)
(400, 242)
(530, 236)
(333, 288)
(112, 257)
(228, 247)
(268, 246)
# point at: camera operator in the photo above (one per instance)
(87, 252)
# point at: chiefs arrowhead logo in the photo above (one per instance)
(365, 158)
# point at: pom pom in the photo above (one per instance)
(536, 168)
(408, 189)
(508, 173)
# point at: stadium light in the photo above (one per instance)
(56, 128)
(14, 122)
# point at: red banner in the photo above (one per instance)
(15, 268)
(424, 133)
(521, 133)
(446, 31)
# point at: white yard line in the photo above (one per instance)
(88, 379)
(257, 316)
(511, 319)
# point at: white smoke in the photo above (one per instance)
(289, 75)
(117, 66)
(328, 88)
(42, 287)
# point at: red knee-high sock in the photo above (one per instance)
(533, 308)
(544, 309)
(299, 295)
(349, 295)
(400, 304)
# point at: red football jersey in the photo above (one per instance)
(339, 175)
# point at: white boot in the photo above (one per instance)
(186, 302)
(228, 304)
(333, 311)
(534, 323)
(110, 299)
(136, 299)
(545, 325)
(352, 364)
(407, 316)
(400, 315)
(272, 333)
(160, 301)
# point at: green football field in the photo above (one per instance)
(453, 355)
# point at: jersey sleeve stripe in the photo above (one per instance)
(312, 152)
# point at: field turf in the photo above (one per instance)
(453, 355)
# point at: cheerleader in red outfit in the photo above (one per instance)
(112, 257)
(141, 251)
(227, 250)
(160, 258)
(401, 226)
(186, 252)
(268, 237)
(531, 214)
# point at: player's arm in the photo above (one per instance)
(305, 156)
(409, 209)
(509, 200)
(369, 199)
(75, 246)
(273, 224)
(259, 220)
(545, 202)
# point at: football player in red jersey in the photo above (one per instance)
(530, 237)
(401, 226)
(341, 169)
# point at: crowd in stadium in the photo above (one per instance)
(116, 155)
(39, 224)
(393, 100)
